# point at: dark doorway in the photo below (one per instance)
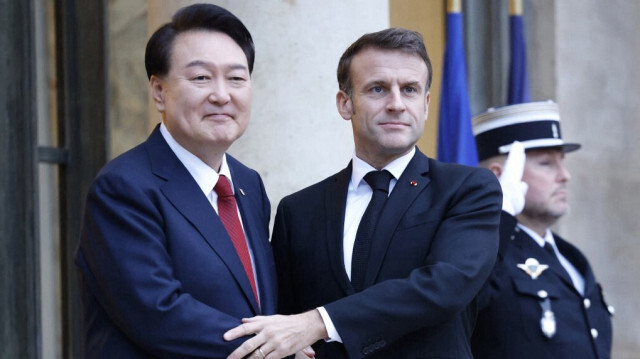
(53, 136)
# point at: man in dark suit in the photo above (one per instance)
(399, 284)
(174, 248)
(542, 300)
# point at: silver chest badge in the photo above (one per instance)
(548, 320)
(532, 267)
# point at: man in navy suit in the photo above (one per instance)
(163, 275)
(406, 288)
(542, 299)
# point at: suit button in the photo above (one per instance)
(611, 310)
(587, 303)
(594, 333)
(543, 294)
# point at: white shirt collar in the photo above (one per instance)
(548, 236)
(205, 176)
(360, 168)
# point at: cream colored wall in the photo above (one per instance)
(128, 111)
(296, 136)
(295, 127)
(427, 18)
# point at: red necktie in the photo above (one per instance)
(228, 213)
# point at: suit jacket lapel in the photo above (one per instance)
(578, 260)
(182, 190)
(335, 203)
(572, 255)
(413, 181)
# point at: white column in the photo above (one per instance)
(296, 136)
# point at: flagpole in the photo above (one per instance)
(515, 7)
(454, 6)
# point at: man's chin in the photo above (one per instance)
(559, 212)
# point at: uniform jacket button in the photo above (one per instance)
(587, 303)
(594, 333)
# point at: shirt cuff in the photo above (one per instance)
(328, 324)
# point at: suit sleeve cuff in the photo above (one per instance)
(331, 329)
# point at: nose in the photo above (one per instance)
(563, 173)
(396, 103)
(219, 94)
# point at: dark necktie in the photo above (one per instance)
(551, 251)
(556, 261)
(228, 213)
(379, 183)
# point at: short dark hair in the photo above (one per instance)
(195, 17)
(408, 41)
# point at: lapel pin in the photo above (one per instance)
(533, 268)
(414, 183)
(241, 191)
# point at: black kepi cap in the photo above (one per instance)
(534, 124)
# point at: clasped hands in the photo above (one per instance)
(278, 336)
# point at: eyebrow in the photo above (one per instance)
(375, 83)
(202, 63)
(385, 83)
(413, 83)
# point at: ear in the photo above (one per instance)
(427, 100)
(156, 87)
(496, 168)
(344, 105)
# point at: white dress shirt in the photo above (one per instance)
(358, 197)
(576, 277)
(206, 178)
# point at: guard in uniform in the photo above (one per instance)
(542, 299)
